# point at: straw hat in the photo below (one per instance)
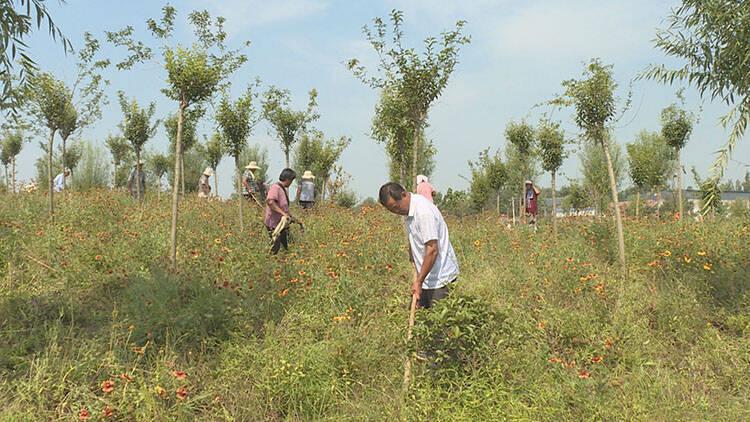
(138, 163)
(208, 171)
(421, 178)
(252, 166)
(529, 182)
(307, 175)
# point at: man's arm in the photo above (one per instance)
(430, 256)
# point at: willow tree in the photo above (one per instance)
(650, 160)
(593, 97)
(712, 38)
(418, 78)
(287, 123)
(137, 127)
(521, 137)
(47, 104)
(11, 147)
(214, 152)
(194, 74)
(236, 120)
(551, 140)
(676, 126)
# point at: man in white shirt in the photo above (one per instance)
(59, 182)
(430, 248)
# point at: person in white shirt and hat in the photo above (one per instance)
(59, 182)
(252, 187)
(204, 183)
(306, 190)
(140, 188)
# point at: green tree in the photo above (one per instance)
(593, 98)
(47, 105)
(194, 74)
(319, 155)
(551, 140)
(137, 128)
(236, 121)
(17, 18)
(713, 39)
(120, 150)
(577, 197)
(488, 176)
(676, 126)
(650, 160)
(159, 164)
(87, 94)
(415, 79)
(521, 137)
(5, 161)
(214, 153)
(288, 124)
(11, 147)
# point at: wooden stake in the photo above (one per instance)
(407, 361)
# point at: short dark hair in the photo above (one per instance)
(390, 190)
(287, 174)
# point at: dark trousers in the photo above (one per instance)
(282, 240)
(429, 296)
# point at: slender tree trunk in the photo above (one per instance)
(182, 173)
(138, 175)
(498, 201)
(13, 173)
(176, 188)
(240, 199)
(114, 175)
(513, 208)
(637, 204)
(216, 182)
(616, 201)
(403, 175)
(286, 156)
(64, 166)
(679, 184)
(554, 204)
(7, 179)
(50, 176)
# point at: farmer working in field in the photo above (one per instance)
(306, 190)
(430, 248)
(252, 189)
(532, 194)
(204, 183)
(277, 210)
(424, 188)
(58, 183)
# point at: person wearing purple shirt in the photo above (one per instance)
(277, 206)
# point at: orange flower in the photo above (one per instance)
(98, 257)
(84, 415)
(180, 375)
(687, 259)
(181, 393)
(584, 374)
(540, 325)
(160, 391)
(608, 344)
(597, 359)
(284, 292)
(126, 377)
(666, 253)
(701, 253)
(477, 243)
(108, 386)
(653, 264)
(707, 266)
(108, 412)
(554, 359)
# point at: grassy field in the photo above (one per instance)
(91, 324)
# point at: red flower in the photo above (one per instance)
(126, 377)
(181, 393)
(597, 359)
(180, 375)
(584, 374)
(84, 415)
(108, 412)
(98, 257)
(108, 386)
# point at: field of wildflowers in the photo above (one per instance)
(92, 326)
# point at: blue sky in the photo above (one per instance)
(520, 52)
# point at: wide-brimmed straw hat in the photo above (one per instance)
(252, 166)
(421, 178)
(139, 162)
(308, 175)
(208, 171)
(529, 182)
